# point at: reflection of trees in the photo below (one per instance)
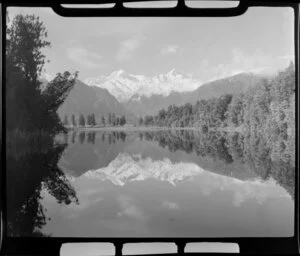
(123, 136)
(111, 137)
(235, 144)
(73, 137)
(251, 149)
(81, 137)
(141, 135)
(257, 155)
(91, 136)
(211, 144)
(29, 170)
(284, 174)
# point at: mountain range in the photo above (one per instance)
(126, 86)
(125, 168)
(138, 95)
(84, 99)
(132, 156)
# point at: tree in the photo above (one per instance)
(148, 120)
(122, 120)
(88, 120)
(93, 120)
(103, 120)
(109, 119)
(235, 110)
(53, 97)
(73, 121)
(66, 121)
(32, 108)
(81, 120)
(141, 121)
(118, 121)
(113, 119)
(26, 37)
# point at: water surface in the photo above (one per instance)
(162, 184)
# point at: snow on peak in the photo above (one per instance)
(116, 74)
(125, 86)
(171, 72)
(126, 168)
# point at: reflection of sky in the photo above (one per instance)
(127, 169)
(133, 196)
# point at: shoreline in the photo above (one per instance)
(131, 128)
(239, 129)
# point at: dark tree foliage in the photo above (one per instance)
(210, 113)
(266, 110)
(229, 148)
(103, 121)
(32, 123)
(81, 137)
(32, 166)
(66, 121)
(88, 120)
(28, 107)
(26, 36)
(264, 115)
(109, 119)
(81, 120)
(91, 136)
(122, 120)
(93, 120)
(73, 137)
(141, 121)
(53, 97)
(235, 111)
(73, 120)
(113, 119)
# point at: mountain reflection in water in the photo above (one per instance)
(156, 184)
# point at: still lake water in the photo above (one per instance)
(159, 184)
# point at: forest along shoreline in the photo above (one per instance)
(153, 128)
(130, 128)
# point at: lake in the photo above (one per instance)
(151, 184)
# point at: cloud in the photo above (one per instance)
(257, 62)
(127, 47)
(169, 49)
(84, 58)
(170, 205)
(129, 209)
(290, 57)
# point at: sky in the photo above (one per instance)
(261, 40)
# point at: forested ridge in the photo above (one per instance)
(246, 109)
(265, 112)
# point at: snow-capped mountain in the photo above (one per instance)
(126, 86)
(84, 99)
(125, 168)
